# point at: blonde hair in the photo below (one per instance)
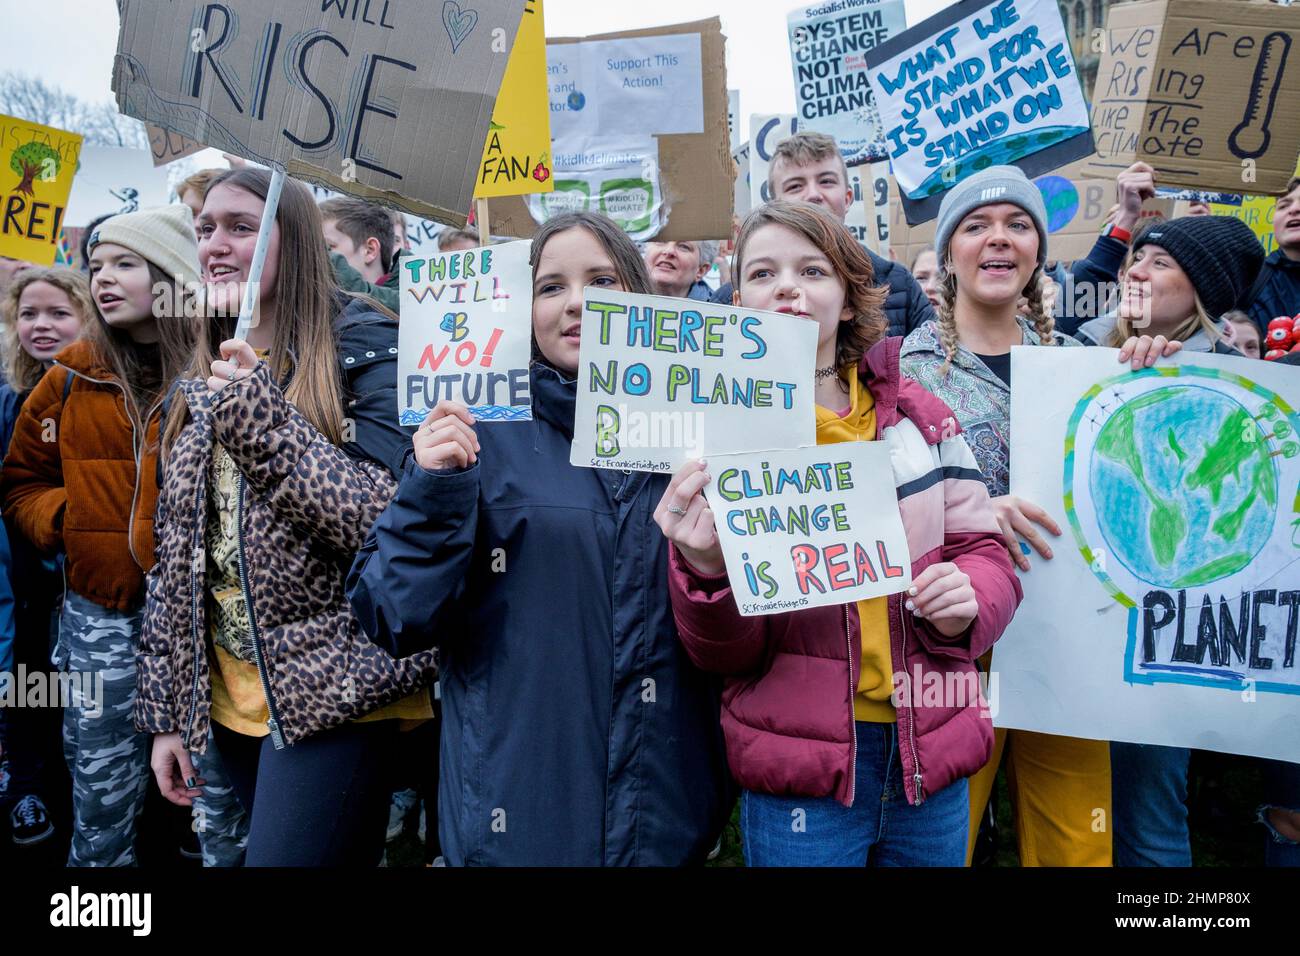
(1043, 320)
(199, 182)
(22, 370)
(1199, 321)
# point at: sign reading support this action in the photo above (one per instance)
(37, 164)
(348, 94)
(1171, 617)
(981, 83)
(466, 333)
(809, 527)
(664, 380)
(828, 44)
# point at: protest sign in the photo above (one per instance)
(980, 83)
(741, 202)
(639, 133)
(37, 163)
(733, 118)
(864, 219)
(167, 146)
(1076, 211)
(1200, 90)
(466, 333)
(664, 380)
(1169, 612)
(828, 43)
(1254, 211)
(112, 181)
(345, 93)
(1198, 195)
(809, 527)
(517, 154)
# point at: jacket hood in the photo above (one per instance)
(80, 357)
(555, 398)
(897, 397)
(1100, 328)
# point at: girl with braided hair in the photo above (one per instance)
(991, 240)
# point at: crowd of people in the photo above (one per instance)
(306, 621)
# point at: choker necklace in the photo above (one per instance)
(829, 372)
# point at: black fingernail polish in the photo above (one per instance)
(189, 782)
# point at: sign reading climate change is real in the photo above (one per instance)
(828, 43)
(809, 526)
(981, 83)
(664, 380)
(466, 333)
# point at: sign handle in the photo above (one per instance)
(481, 218)
(259, 254)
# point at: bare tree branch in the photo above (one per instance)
(31, 98)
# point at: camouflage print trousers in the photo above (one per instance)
(219, 817)
(107, 757)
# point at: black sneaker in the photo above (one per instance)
(29, 821)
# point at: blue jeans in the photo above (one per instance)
(1149, 803)
(880, 829)
(1282, 790)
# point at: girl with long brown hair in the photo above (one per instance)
(279, 451)
(81, 476)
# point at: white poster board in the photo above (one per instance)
(466, 333)
(664, 380)
(1169, 612)
(809, 527)
(111, 181)
(828, 43)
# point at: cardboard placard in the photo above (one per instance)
(981, 83)
(167, 146)
(37, 165)
(1076, 210)
(681, 178)
(663, 380)
(466, 333)
(517, 154)
(112, 181)
(1168, 614)
(809, 527)
(1203, 91)
(348, 95)
(866, 219)
(828, 43)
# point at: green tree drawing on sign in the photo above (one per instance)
(32, 160)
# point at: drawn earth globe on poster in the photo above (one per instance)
(1193, 489)
(1061, 199)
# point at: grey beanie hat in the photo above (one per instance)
(993, 185)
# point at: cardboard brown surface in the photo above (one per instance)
(1197, 87)
(388, 100)
(696, 169)
(167, 146)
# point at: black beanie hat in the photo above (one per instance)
(1220, 255)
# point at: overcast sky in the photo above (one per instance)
(71, 42)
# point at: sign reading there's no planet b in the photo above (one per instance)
(664, 380)
(981, 83)
(466, 333)
(809, 527)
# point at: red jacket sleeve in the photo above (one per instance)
(717, 638)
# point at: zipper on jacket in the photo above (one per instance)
(853, 722)
(917, 778)
(273, 713)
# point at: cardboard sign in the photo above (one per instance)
(37, 164)
(112, 181)
(638, 132)
(1169, 612)
(864, 219)
(664, 380)
(466, 333)
(1254, 211)
(351, 95)
(828, 43)
(517, 154)
(1202, 91)
(733, 118)
(1076, 210)
(167, 146)
(809, 527)
(981, 83)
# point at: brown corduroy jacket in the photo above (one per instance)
(80, 476)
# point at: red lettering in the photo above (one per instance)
(465, 353)
(835, 568)
(865, 568)
(805, 559)
(428, 359)
(889, 570)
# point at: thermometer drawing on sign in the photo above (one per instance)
(1251, 137)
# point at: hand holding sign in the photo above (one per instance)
(943, 596)
(446, 439)
(686, 520)
(237, 361)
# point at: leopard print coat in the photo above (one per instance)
(305, 508)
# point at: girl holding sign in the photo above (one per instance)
(575, 730)
(838, 767)
(81, 476)
(277, 455)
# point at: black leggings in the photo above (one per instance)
(321, 802)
